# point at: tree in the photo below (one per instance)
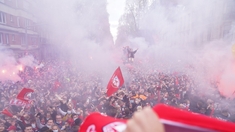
(129, 22)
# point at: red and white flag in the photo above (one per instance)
(115, 82)
(25, 94)
(173, 119)
(20, 103)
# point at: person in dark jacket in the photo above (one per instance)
(131, 54)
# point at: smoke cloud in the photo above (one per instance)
(10, 66)
(29, 61)
(193, 37)
(80, 30)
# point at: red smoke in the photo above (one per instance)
(227, 81)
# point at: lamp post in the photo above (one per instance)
(26, 37)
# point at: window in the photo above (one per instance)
(1, 39)
(18, 21)
(13, 37)
(23, 40)
(11, 18)
(7, 39)
(2, 18)
(32, 40)
(27, 23)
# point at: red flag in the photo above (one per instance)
(6, 112)
(115, 82)
(173, 119)
(25, 94)
(56, 85)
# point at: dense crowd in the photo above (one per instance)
(63, 97)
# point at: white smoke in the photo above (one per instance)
(194, 37)
(80, 29)
(29, 61)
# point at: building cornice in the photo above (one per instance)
(19, 30)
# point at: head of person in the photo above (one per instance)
(74, 116)
(58, 118)
(26, 117)
(50, 108)
(139, 108)
(33, 124)
(2, 127)
(50, 123)
(41, 112)
(111, 112)
(133, 93)
(48, 115)
(77, 122)
(141, 91)
(55, 128)
(70, 107)
(127, 113)
(64, 99)
(8, 119)
(43, 120)
(45, 129)
(28, 128)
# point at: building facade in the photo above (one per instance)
(18, 27)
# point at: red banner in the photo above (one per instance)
(115, 82)
(25, 94)
(7, 113)
(20, 103)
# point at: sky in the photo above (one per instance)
(115, 9)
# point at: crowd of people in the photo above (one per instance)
(63, 97)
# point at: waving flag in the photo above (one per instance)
(25, 94)
(7, 113)
(115, 82)
(20, 103)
